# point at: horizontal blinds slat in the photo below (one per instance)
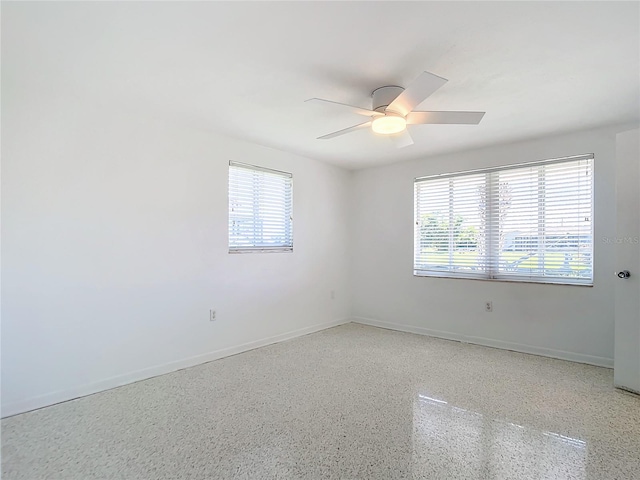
(522, 167)
(255, 168)
(532, 222)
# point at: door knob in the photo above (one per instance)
(624, 274)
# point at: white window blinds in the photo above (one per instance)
(260, 209)
(529, 222)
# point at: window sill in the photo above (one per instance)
(504, 280)
(263, 250)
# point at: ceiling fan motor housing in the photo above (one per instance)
(383, 96)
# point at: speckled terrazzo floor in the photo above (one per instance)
(351, 402)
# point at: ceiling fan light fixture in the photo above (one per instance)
(392, 108)
(388, 124)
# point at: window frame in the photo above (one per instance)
(288, 223)
(491, 269)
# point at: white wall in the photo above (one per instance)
(114, 248)
(569, 322)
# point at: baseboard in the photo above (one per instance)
(488, 342)
(627, 389)
(144, 374)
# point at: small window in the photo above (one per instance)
(529, 222)
(260, 209)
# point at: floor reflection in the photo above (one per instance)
(468, 444)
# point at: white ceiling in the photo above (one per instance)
(245, 69)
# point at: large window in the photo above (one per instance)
(529, 222)
(260, 209)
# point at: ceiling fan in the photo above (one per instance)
(392, 110)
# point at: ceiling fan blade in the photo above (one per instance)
(468, 118)
(402, 139)
(352, 108)
(346, 130)
(416, 93)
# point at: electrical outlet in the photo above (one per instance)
(488, 306)
(212, 315)
(333, 294)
